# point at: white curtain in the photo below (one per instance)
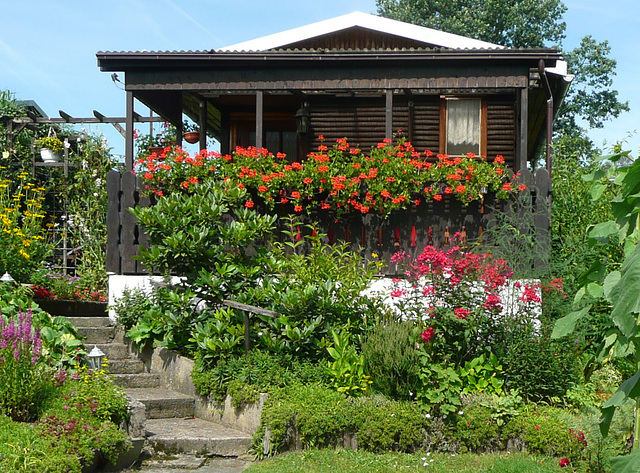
(463, 126)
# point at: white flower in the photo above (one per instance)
(428, 416)
(460, 413)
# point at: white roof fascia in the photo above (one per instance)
(561, 69)
(364, 20)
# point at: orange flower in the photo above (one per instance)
(249, 204)
(307, 180)
(262, 189)
(522, 187)
(297, 208)
(506, 186)
(448, 190)
(437, 197)
(281, 155)
(460, 189)
(499, 159)
(385, 193)
(295, 195)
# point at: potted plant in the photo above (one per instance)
(191, 133)
(50, 149)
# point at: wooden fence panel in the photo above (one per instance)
(440, 224)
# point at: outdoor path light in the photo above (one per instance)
(95, 358)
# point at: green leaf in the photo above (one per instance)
(596, 191)
(602, 232)
(609, 283)
(566, 324)
(595, 290)
(626, 295)
(626, 463)
(629, 389)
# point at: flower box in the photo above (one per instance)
(73, 308)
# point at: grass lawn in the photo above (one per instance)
(337, 461)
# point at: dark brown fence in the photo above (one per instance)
(439, 224)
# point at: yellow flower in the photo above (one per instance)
(24, 254)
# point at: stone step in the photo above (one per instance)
(91, 321)
(139, 380)
(163, 403)
(126, 367)
(195, 435)
(113, 351)
(97, 334)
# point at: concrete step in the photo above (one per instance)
(163, 403)
(91, 321)
(138, 380)
(113, 351)
(126, 367)
(196, 436)
(97, 334)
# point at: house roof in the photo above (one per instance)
(428, 36)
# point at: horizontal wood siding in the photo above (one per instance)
(361, 122)
(501, 129)
(426, 126)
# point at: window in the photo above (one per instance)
(463, 126)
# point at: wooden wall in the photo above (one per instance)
(362, 121)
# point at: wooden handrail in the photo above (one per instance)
(246, 310)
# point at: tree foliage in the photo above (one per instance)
(511, 23)
(528, 24)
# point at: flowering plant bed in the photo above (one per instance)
(342, 179)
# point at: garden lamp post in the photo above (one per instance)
(6, 277)
(95, 358)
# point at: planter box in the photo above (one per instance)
(74, 308)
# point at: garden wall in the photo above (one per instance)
(431, 223)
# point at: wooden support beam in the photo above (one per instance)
(65, 116)
(388, 126)
(259, 118)
(522, 146)
(128, 139)
(202, 123)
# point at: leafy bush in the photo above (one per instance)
(538, 367)
(263, 371)
(392, 359)
(347, 367)
(133, 306)
(311, 415)
(391, 426)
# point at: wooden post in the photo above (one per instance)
(259, 118)
(522, 145)
(202, 119)
(388, 126)
(246, 310)
(128, 145)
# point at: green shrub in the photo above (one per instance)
(132, 306)
(392, 359)
(262, 370)
(538, 367)
(305, 415)
(347, 367)
(547, 430)
(391, 426)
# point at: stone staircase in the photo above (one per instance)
(171, 424)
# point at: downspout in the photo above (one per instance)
(547, 89)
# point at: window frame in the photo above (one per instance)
(444, 100)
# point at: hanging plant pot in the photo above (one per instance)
(49, 156)
(192, 137)
(157, 150)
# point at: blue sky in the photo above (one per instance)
(47, 48)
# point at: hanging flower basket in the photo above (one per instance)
(49, 156)
(192, 137)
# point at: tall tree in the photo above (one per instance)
(511, 23)
(529, 24)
